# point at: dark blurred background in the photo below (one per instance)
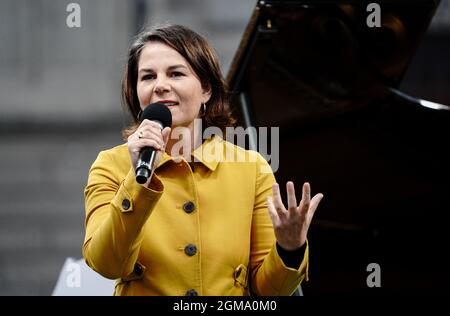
(60, 105)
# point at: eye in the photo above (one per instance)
(176, 74)
(147, 77)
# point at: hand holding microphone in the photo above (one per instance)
(147, 144)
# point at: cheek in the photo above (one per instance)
(142, 93)
(196, 96)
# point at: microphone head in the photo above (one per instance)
(157, 112)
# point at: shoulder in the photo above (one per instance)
(238, 154)
(117, 152)
(114, 158)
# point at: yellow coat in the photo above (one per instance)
(205, 232)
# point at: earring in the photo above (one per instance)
(204, 108)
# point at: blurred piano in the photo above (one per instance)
(330, 83)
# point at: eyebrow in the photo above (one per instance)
(170, 68)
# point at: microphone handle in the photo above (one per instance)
(145, 164)
(146, 160)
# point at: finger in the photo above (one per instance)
(145, 142)
(292, 200)
(314, 204)
(153, 134)
(272, 212)
(306, 198)
(278, 203)
(151, 129)
(146, 123)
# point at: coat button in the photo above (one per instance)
(191, 293)
(190, 250)
(126, 204)
(237, 272)
(189, 207)
(138, 269)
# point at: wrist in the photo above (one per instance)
(291, 248)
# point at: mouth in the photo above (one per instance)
(168, 103)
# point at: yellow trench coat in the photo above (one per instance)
(201, 230)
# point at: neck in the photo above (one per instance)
(183, 140)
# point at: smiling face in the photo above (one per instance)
(165, 75)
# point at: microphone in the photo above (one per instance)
(158, 113)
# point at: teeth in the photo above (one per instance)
(171, 103)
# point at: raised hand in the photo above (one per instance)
(291, 225)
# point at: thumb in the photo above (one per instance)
(165, 134)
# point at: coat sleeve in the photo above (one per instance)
(269, 275)
(116, 211)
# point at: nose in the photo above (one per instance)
(161, 85)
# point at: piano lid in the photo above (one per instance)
(315, 70)
(321, 57)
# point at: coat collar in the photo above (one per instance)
(203, 154)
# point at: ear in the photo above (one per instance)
(206, 95)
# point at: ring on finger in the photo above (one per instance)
(140, 135)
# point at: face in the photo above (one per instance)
(166, 76)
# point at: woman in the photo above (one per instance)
(198, 226)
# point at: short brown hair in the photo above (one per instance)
(200, 56)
